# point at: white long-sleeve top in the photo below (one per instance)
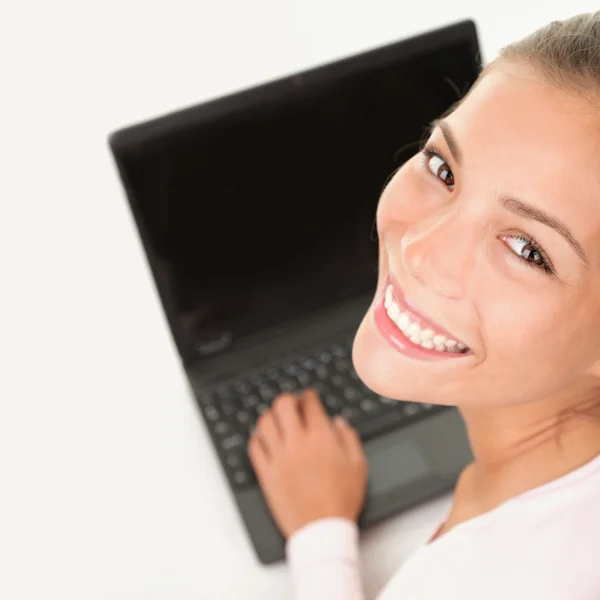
(541, 545)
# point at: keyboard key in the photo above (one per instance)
(387, 402)
(233, 442)
(333, 402)
(233, 460)
(309, 364)
(320, 388)
(257, 380)
(350, 414)
(221, 428)
(243, 417)
(339, 351)
(242, 387)
(205, 398)
(212, 414)
(228, 408)
(287, 385)
(304, 379)
(410, 409)
(325, 357)
(241, 478)
(337, 380)
(291, 369)
(322, 372)
(350, 394)
(267, 393)
(343, 366)
(250, 401)
(367, 405)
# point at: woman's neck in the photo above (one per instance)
(518, 448)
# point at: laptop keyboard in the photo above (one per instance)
(231, 409)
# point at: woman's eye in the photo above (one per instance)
(438, 166)
(528, 250)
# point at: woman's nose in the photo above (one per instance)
(441, 256)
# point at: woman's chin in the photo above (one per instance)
(382, 369)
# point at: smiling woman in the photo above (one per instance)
(488, 299)
(479, 231)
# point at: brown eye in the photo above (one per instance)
(440, 169)
(530, 254)
(529, 251)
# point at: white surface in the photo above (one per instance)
(108, 484)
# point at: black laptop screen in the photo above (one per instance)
(267, 212)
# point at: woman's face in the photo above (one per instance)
(493, 244)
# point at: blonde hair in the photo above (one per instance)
(565, 53)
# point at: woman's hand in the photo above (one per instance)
(308, 466)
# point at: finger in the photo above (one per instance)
(258, 455)
(268, 431)
(349, 439)
(313, 413)
(287, 414)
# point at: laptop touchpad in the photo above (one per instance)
(394, 464)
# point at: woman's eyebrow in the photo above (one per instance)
(536, 214)
(449, 137)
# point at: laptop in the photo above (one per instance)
(256, 212)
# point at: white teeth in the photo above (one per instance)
(388, 296)
(402, 322)
(413, 330)
(425, 338)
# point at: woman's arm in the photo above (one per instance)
(324, 562)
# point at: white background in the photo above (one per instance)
(108, 484)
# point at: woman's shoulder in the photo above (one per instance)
(548, 540)
(546, 546)
(568, 507)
